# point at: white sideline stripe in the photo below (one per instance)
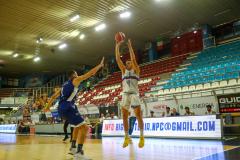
(198, 158)
(227, 139)
(40, 135)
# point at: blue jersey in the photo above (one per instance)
(68, 92)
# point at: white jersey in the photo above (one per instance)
(130, 82)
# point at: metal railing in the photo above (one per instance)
(29, 92)
(57, 81)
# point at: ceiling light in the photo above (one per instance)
(15, 55)
(82, 36)
(39, 40)
(36, 59)
(74, 18)
(118, 9)
(126, 14)
(100, 27)
(74, 33)
(62, 46)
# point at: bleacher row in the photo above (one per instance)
(109, 94)
(212, 68)
(211, 65)
(149, 70)
(107, 91)
(5, 93)
(110, 89)
(198, 87)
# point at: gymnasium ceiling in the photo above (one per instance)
(23, 21)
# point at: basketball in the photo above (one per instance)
(119, 37)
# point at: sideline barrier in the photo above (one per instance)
(8, 128)
(192, 127)
(50, 129)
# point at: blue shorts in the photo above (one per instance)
(69, 111)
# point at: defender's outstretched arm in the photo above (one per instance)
(52, 99)
(79, 79)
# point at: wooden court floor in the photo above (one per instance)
(19, 147)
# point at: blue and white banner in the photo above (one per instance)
(55, 114)
(8, 128)
(197, 105)
(175, 127)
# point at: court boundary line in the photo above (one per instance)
(228, 139)
(198, 158)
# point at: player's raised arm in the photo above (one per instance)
(52, 99)
(79, 79)
(118, 58)
(133, 58)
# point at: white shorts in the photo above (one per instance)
(130, 100)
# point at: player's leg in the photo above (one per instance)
(83, 130)
(126, 127)
(125, 114)
(62, 111)
(79, 133)
(65, 126)
(138, 113)
(82, 134)
(67, 111)
(74, 139)
(71, 137)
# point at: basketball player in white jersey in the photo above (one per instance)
(130, 77)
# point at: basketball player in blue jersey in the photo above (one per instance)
(130, 97)
(69, 111)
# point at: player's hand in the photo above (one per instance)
(102, 62)
(129, 43)
(119, 43)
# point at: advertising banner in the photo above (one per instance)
(173, 127)
(8, 128)
(21, 100)
(197, 105)
(93, 110)
(48, 114)
(229, 103)
(82, 110)
(35, 118)
(55, 114)
(7, 100)
(159, 107)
